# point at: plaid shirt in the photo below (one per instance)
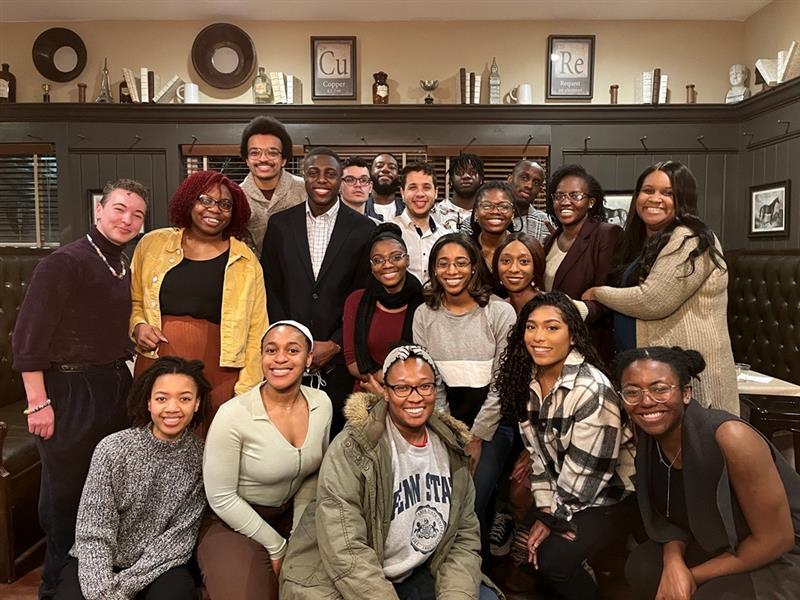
(581, 453)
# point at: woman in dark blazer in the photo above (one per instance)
(579, 252)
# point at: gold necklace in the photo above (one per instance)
(669, 469)
(103, 258)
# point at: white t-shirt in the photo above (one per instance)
(387, 211)
(420, 502)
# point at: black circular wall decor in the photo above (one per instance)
(55, 48)
(223, 55)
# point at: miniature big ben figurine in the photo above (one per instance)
(494, 83)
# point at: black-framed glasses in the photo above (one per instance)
(574, 196)
(268, 152)
(395, 259)
(659, 393)
(224, 205)
(504, 208)
(350, 180)
(402, 390)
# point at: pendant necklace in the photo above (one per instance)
(103, 258)
(669, 469)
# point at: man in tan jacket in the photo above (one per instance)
(266, 147)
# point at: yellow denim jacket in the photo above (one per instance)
(244, 302)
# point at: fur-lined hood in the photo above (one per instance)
(366, 419)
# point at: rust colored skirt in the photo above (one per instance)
(196, 339)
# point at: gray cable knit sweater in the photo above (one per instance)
(139, 513)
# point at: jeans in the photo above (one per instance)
(494, 455)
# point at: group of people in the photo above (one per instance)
(344, 388)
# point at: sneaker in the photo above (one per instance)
(501, 534)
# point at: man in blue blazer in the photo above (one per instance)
(314, 255)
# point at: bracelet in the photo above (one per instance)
(30, 411)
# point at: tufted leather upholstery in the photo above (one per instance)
(20, 468)
(764, 311)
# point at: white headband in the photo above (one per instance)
(299, 326)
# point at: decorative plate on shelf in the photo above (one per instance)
(59, 54)
(224, 56)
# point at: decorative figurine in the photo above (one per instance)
(262, 88)
(739, 91)
(82, 93)
(494, 84)
(429, 85)
(380, 89)
(105, 87)
(614, 91)
(691, 95)
(46, 93)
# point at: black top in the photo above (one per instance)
(75, 310)
(193, 288)
(678, 513)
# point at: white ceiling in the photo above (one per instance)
(376, 10)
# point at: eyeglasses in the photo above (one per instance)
(395, 259)
(504, 208)
(224, 205)
(575, 196)
(350, 180)
(658, 393)
(460, 263)
(404, 391)
(268, 152)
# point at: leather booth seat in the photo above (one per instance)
(21, 540)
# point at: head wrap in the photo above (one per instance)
(407, 351)
(299, 326)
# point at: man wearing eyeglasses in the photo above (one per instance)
(356, 185)
(420, 230)
(269, 187)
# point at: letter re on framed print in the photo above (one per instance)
(570, 67)
(333, 68)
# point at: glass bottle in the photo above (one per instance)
(262, 88)
(124, 94)
(46, 93)
(8, 85)
(380, 89)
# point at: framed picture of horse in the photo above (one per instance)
(616, 207)
(769, 210)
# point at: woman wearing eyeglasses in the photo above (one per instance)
(579, 253)
(671, 281)
(720, 505)
(492, 221)
(580, 465)
(198, 291)
(464, 327)
(380, 315)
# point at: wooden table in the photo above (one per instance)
(753, 383)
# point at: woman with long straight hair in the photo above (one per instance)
(672, 281)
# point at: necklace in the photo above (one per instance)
(289, 405)
(119, 275)
(669, 469)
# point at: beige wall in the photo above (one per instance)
(689, 52)
(772, 28)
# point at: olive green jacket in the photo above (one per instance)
(337, 549)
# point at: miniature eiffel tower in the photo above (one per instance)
(105, 87)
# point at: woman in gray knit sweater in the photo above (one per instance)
(143, 498)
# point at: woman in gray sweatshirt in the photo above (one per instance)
(143, 498)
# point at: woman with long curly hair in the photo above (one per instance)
(672, 282)
(464, 327)
(197, 290)
(581, 450)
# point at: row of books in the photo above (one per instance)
(286, 89)
(469, 87)
(147, 87)
(651, 87)
(785, 67)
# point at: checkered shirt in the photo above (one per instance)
(319, 230)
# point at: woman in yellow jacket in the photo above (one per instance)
(198, 291)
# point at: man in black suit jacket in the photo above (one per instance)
(314, 255)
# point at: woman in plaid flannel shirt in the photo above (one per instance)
(581, 448)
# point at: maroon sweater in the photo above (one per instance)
(75, 310)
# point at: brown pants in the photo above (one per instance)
(235, 567)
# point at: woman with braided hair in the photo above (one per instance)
(719, 503)
(581, 450)
(197, 290)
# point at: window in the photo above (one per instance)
(28, 195)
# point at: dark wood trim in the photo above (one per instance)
(27, 149)
(496, 150)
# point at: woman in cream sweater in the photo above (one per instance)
(673, 281)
